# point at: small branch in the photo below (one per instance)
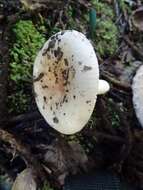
(134, 47)
(25, 117)
(115, 82)
(102, 136)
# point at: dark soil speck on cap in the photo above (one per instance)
(44, 52)
(55, 53)
(48, 56)
(55, 120)
(57, 104)
(59, 40)
(53, 37)
(62, 33)
(51, 44)
(64, 98)
(59, 53)
(45, 99)
(86, 68)
(88, 101)
(44, 86)
(49, 69)
(40, 76)
(66, 62)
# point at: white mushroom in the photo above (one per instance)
(25, 181)
(137, 88)
(66, 81)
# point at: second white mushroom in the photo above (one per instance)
(137, 88)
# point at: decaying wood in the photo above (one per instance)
(25, 118)
(24, 151)
(4, 62)
(115, 82)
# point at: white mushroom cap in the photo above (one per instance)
(137, 88)
(25, 181)
(66, 77)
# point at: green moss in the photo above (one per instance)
(76, 20)
(115, 119)
(103, 9)
(18, 102)
(27, 42)
(124, 6)
(46, 186)
(106, 37)
(106, 33)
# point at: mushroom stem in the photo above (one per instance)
(103, 87)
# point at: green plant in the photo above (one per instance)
(18, 102)
(106, 37)
(106, 32)
(27, 42)
(115, 119)
(46, 186)
(124, 6)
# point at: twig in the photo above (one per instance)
(134, 47)
(115, 82)
(25, 117)
(103, 136)
(116, 7)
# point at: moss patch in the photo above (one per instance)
(27, 42)
(46, 186)
(106, 37)
(106, 33)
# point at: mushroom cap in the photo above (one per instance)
(137, 88)
(65, 78)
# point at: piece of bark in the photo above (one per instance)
(3, 80)
(65, 158)
(24, 151)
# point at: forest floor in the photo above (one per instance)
(113, 137)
